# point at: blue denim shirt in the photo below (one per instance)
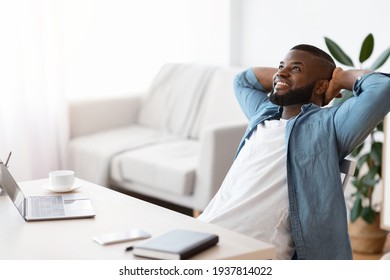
(317, 140)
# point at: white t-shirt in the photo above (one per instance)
(253, 198)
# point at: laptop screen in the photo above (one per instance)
(8, 183)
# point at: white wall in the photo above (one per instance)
(269, 28)
(386, 178)
(115, 46)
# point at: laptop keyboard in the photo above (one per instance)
(47, 206)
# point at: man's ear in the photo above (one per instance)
(321, 87)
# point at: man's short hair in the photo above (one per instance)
(328, 64)
(315, 51)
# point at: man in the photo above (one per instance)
(284, 186)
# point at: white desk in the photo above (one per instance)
(72, 239)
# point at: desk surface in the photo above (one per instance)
(72, 239)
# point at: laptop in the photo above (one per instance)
(48, 207)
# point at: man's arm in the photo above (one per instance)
(251, 88)
(265, 76)
(355, 118)
(342, 80)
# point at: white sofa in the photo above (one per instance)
(174, 142)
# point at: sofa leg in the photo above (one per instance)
(196, 213)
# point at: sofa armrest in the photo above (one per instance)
(218, 147)
(91, 116)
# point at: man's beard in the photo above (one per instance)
(300, 95)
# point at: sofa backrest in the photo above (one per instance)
(219, 105)
(175, 97)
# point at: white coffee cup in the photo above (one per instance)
(61, 180)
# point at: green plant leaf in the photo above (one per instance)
(338, 53)
(367, 48)
(372, 172)
(368, 183)
(357, 151)
(358, 183)
(368, 214)
(380, 126)
(381, 59)
(362, 160)
(376, 153)
(356, 209)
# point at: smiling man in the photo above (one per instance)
(284, 186)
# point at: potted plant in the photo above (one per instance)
(364, 213)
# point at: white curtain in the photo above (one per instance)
(32, 104)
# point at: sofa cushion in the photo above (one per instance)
(173, 100)
(90, 155)
(168, 166)
(219, 104)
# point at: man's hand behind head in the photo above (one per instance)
(342, 79)
(335, 86)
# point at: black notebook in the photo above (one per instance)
(175, 245)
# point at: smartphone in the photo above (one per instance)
(121, 236)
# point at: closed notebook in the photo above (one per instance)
(175, 245)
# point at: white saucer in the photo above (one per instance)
(50, 188)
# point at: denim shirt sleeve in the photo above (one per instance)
(358, 116)
(249, 92)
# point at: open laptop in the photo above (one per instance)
(49, 207)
